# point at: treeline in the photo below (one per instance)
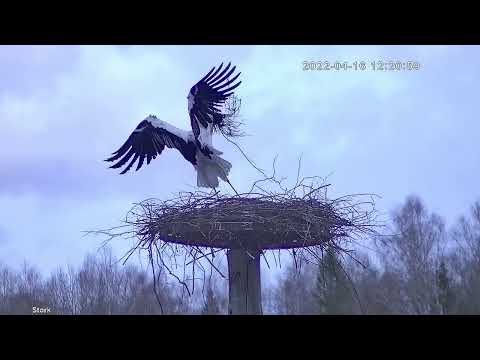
(419, 268)
(101, 285)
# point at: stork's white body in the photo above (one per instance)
(209, 170)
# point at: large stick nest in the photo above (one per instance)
(260, 219)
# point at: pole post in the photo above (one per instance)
(244, 286)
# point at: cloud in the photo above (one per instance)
(57, 137)
(25, 70)
(64, 109)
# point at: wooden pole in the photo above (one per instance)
(244, 286)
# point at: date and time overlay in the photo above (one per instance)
(378, 66)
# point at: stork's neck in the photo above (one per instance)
(205, 136)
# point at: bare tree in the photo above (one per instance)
(411, 256)
(293, 294)
(465, 262)
(8, 287)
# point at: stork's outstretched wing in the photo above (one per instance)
(207, 95)
(147, 141)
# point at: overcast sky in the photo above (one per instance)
(63, 109)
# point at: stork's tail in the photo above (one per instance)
(210, 170)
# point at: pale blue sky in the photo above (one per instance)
(63, 109)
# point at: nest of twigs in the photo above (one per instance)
(260, 219)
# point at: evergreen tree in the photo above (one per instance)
(211, 304)
(445, 294)
(332, 290)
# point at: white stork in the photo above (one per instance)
(152, 134)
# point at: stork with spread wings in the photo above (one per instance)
(205, 102)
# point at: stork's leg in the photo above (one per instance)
(229, 183)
